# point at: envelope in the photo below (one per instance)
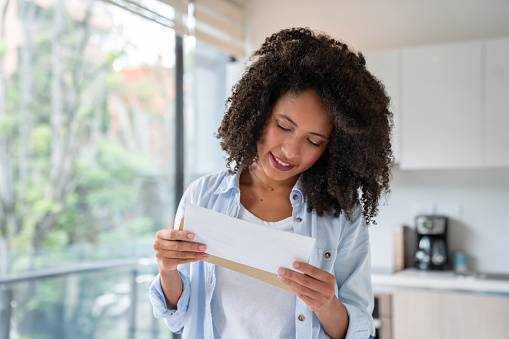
(251, 249)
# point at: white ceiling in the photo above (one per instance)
(381, 24)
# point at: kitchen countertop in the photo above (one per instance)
(438, 280)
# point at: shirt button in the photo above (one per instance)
(302, 318)
(327, 255)
(295, 197)
(298, 219)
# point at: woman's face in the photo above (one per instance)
(296, 135)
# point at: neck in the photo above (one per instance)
(258, 176)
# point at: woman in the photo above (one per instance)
(307, 136)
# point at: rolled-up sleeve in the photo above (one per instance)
(360, 324)
(353, 269)
(174, 319)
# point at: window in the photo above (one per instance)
(88, 161)
(203, 153)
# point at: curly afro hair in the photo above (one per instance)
(355, 167)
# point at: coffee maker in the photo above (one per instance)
(432, 251)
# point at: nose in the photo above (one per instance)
(290, 148)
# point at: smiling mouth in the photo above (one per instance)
(280, 164)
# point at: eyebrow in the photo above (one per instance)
(293, 123)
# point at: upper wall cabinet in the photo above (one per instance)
(496, 92)
(441, 106)
(385, 66)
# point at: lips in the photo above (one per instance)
(280, 164)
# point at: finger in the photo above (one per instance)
(185, 255)
(180, 254)
(301, 283)
(299, 289)
(174, 235)
(175, 262)
(184, 246)
(313, 272)
(313, 304)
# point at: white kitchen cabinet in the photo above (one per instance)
(496, 92)
(385, 66)
(448, 315)
(441, 106)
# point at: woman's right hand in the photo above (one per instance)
(173, 247)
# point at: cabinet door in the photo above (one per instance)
(497, 103)
(385, 66)
(448, 315)
(441, 106)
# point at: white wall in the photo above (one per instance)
(482, 228)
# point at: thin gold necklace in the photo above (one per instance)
(268, 187)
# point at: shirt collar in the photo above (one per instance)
(229, 181)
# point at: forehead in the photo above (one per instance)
(306, 109)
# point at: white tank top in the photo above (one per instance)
(244, 307)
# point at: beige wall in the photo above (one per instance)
(380, 24)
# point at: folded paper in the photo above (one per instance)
(245, 247)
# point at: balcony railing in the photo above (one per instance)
(106, 299)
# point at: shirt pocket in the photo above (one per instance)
(325, 258)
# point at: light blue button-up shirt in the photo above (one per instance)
(341, 248)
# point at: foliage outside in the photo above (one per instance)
(85, 152)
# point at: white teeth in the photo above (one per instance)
(280, 162)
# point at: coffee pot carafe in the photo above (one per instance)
(432, 249)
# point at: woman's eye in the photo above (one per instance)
(313, 143)
(281, 127)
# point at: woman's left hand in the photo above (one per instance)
(314, 286)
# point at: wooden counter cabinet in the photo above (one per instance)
(424, 314)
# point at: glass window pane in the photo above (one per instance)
(205, 87)
(97, 304)
(87, 162)
(87, 133)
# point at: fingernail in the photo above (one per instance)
(281, 271)
(202, 247)
(190, 236)
(296, 265)
(205, 255)
(281, 278)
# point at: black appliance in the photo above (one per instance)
(432, 250)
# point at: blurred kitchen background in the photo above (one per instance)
(108, 110)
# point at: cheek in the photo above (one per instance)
(270, 136)
(271, 131)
